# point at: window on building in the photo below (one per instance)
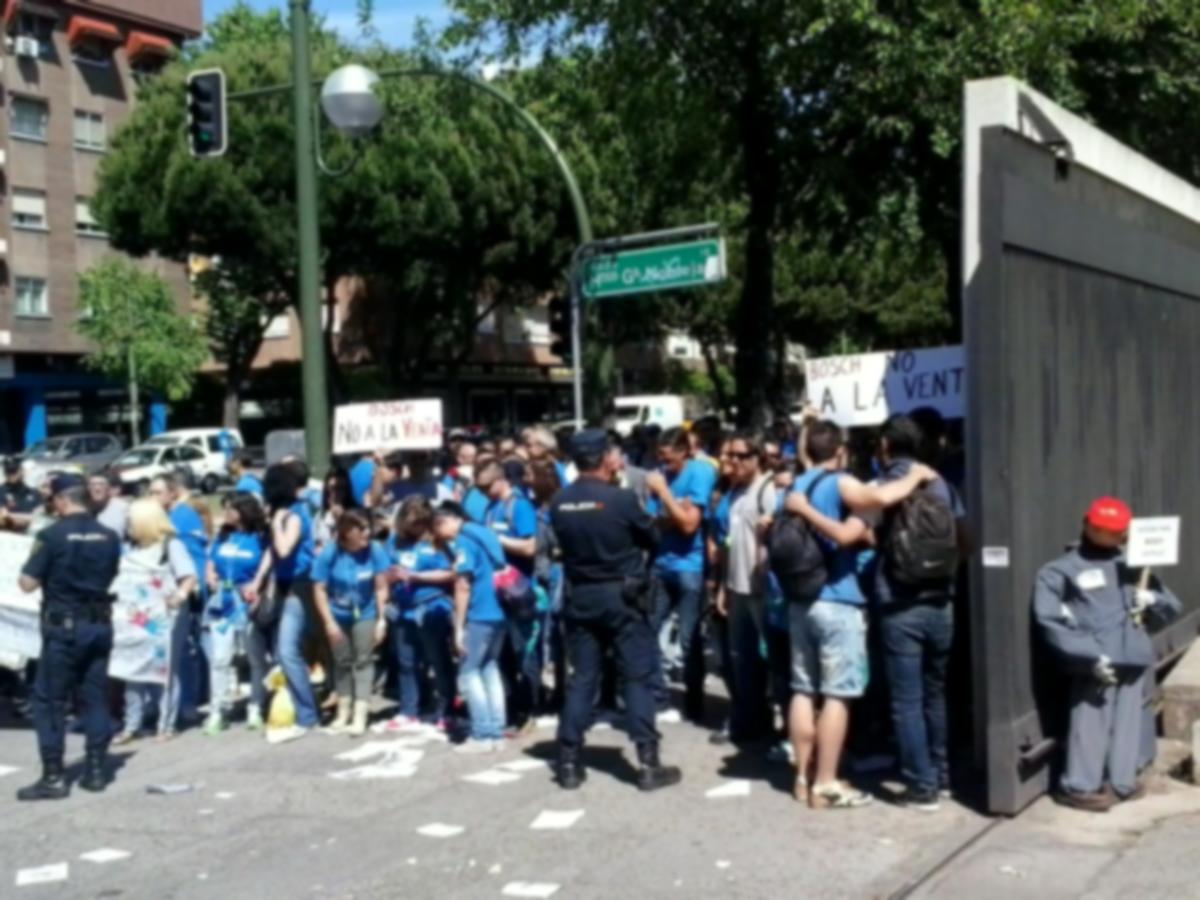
(92, 53)
(89, 130)
(41, 29)
(31, 298)
(85, 222)
(29, 209)
(28, 118)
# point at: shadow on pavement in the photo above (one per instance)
(614, 761)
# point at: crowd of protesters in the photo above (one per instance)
(433, 579)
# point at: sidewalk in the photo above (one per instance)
(1137, 851)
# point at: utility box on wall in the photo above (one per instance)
(1081, 319)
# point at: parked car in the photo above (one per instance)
(138, 467)
(210, 441)
(85, 453)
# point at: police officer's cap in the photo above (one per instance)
(12, 465)
(64, 482)
(588, 443)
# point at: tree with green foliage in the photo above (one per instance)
(447, 210)
(138, 332)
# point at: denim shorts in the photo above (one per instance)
(829, 649)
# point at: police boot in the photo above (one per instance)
(51, 786)
(571, 773)
(94, 779)
(653, 774)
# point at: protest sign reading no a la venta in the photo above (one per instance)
(388, 425)
(864, 389)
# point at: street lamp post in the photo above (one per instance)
(308, 239)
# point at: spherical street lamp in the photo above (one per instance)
(349, 100)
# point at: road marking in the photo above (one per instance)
(524, 765)
(492, 777)
(529, 889)
(438, 830)
(397, 759)
(42, 874)
(553, 820)
(105, 855)
(737, 787)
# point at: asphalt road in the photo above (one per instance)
(273, 821)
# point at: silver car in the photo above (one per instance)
(86, 452)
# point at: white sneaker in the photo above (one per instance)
(254, 719)
(669, 717)
(473, 747)
(286, 735)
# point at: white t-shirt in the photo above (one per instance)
(746, 557)
(178, 559)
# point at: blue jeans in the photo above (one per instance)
(74, 656)
(289, 651)
(751, 714)
(479, 679)
(419, 644)
(916, 649)
(525, 641)
(683, 593)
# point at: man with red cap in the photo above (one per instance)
(1095, 617)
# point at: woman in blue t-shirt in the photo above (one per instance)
(422, 578)
(479, 625)
(237, 567)
(350, 589)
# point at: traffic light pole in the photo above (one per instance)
(312, 358)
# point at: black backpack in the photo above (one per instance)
(795, 555)
(921, 544)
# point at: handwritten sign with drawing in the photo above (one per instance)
(864, 389)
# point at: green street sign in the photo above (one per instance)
(663, 268)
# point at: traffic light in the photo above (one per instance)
(560, 328)
(206, 113)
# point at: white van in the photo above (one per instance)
(663, 410)
(211, 441)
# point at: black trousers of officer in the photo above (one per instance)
(596, 617)
(75, 652)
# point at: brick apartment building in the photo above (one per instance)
(70, 72)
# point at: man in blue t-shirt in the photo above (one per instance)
(829, 648)
(917, 625)
(679, 495)
(362, 478)
(189, 666)
(513, 519)
(245, 481)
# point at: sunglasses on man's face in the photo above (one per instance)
(741, 457)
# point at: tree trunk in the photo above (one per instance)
(761, 171)
(231, 407)
(714, 375)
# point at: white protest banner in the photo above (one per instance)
(389, 425)
(20, 634)
(1153, 542)
(865, 388)
(142, 623)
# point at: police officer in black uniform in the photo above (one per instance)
(18, 501)
(604, 534)
(74, 563)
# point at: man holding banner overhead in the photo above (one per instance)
(1094, 613)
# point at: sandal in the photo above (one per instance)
(120, 740)
(837, 795)
(164, 736)
(800, 789)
